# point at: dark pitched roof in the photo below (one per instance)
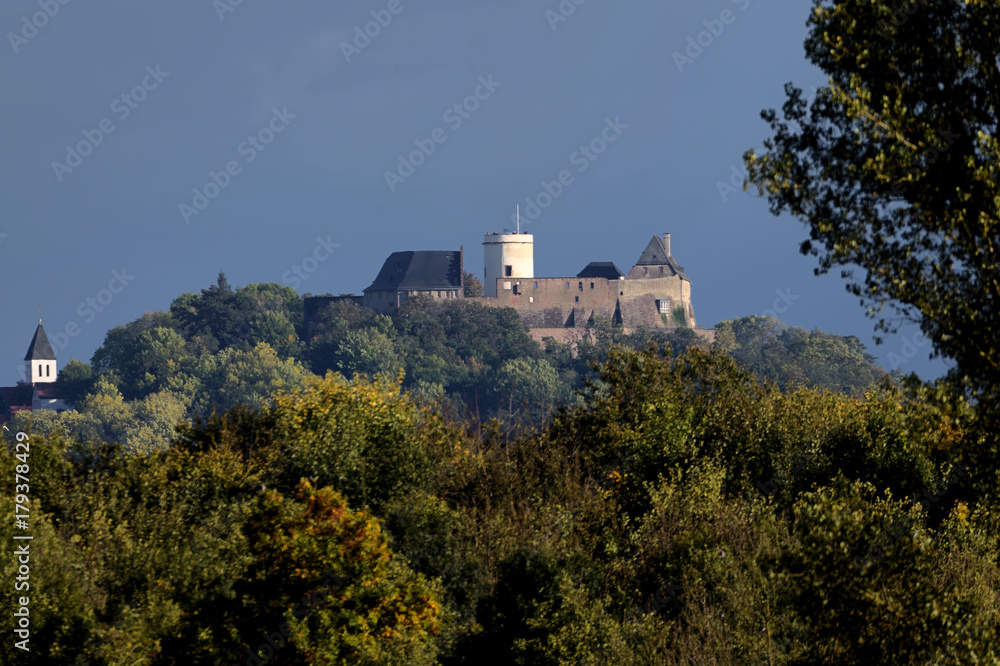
(46, 391)
(17, 396)
(601, 269)
(40, 349)
(655, 254)
(420, 270)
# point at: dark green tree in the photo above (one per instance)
(74, 381)
(894, 167)
(473, 287)
(222, 284)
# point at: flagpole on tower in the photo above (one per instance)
(518, 218)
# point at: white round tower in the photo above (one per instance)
(507, 256)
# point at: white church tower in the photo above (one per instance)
(40, 361)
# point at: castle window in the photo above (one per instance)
(439, 293)
(39, 369)
(665, 306)
(47, 368)
(591, 285)
(661, 269)
(516, 292)
(580, 284)
(536, 284)
(567, 285)
(508, 271)
(577, 298)
(643, 271)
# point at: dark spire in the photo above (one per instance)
(40, 349)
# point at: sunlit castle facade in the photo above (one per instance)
(655, 293)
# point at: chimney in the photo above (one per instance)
(666, 241)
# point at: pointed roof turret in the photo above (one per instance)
(657, 253)
(40, 349)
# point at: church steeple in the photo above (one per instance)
(40, 359)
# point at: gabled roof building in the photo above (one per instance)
(434, 273)
(38, 389)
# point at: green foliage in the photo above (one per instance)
(235, 377)
(893, 167)
(680, 512)
(679, 316)
(74, 381)
(146, 359)
(369, 351)
(380, 612)
(793, 356)
(473, 288)
(361, 438)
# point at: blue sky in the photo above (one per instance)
(308, 117)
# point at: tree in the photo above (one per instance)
(146, 360)
(375, 610)
(235, 377)
(75, 381)
(332, 323)
(369, 351)
(895, 167)
(754, 342)
(791, 356)
(222, 284)
(527, 381)
(473, 287)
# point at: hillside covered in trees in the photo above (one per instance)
(678, 511)
(226, 347)
(450, 491)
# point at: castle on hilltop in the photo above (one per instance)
(654, 294)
